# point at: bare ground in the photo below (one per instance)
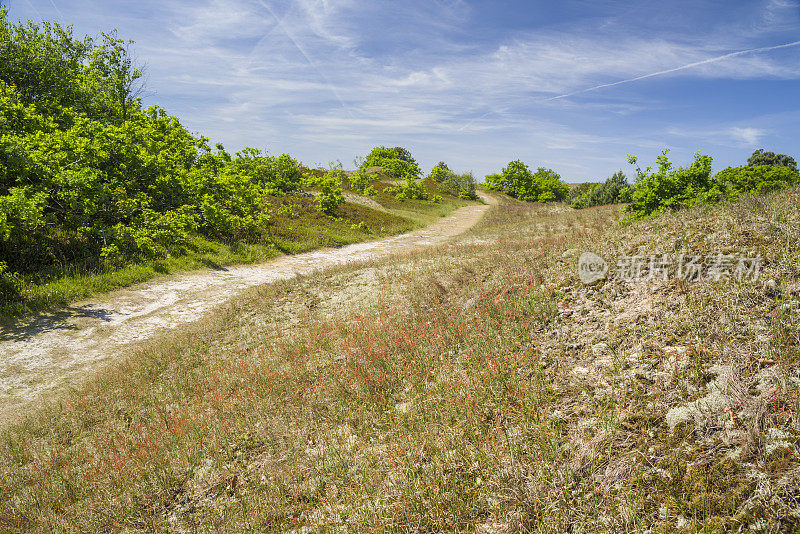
(54, 350)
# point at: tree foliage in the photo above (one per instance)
(517, 180)
(669, 188)
(615, 189)
(404, 155)
(395, 167)
(458, 185)
(329, 183)
(392, 164)
(760, 157)
(361, 182)
(89, 177)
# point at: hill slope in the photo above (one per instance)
(476, 386)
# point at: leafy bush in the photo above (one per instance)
(439, 172)
(10, 285)
(399, 169)
(669, 188)
(614, 190)
(412, 188)
(458, 185)
(330, 185)
(517, 180)
(578, 192)
(88, 178)
(735, 181)
(361, 182)
(404, 155)
(760, 157)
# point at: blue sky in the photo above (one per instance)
(572, 85)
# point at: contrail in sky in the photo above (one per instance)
(299, 47)
(682, 67)
(60, 14)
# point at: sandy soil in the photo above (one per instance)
(55, 350)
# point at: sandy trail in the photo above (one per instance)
(57, 349)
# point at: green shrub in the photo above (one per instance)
(580, 190)
(10, 285)
(734, 181)
(404, 155)
(439, 172)
(411, 188)
(361, 182)
(331, 196)
(330, 185)
(612, 191)
(458, 185)
(669, 188)
(88, 178)
(398, 168)
(53, 71)
(392, 164)
(517, 180)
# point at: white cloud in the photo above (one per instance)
(747, 136)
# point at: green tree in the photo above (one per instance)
(404, 155)
(119, 80)
(439, 172)
(760, 157)
(517, 180)
(407, 172)
(611, 191)
(735, 181)
(391, 163)
(45, 64)
(547, 186)
(458, 185)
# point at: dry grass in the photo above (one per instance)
(477, 387)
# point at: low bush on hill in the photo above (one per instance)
(458, 185)
(517, 180)
(669, 187)
(614, 190)
(88, 177)
(400, 166)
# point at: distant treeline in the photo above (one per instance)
(665, 188)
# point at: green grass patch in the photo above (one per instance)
(422, 212)
(297, 226)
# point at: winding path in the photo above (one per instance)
(54, 349)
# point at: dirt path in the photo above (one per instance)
(54, 350)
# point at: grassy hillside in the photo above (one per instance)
(479, 386)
